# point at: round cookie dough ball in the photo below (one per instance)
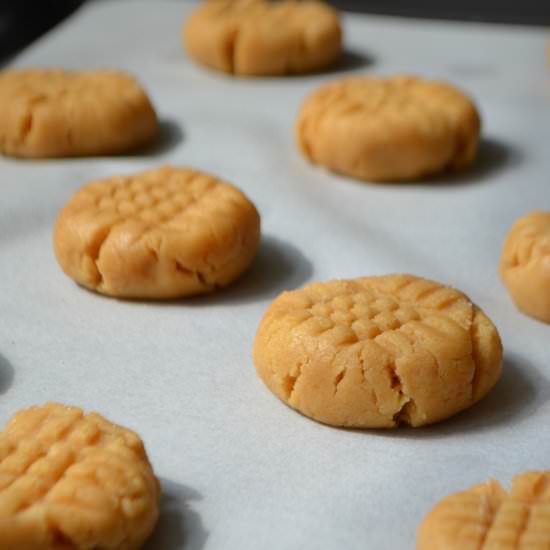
(388, 129)
(74, 480)
(377, 352)
(162, 233)
(488, 517)
(525, 264)
(54, 113)
(263, 37)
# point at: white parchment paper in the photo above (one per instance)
(239, 469)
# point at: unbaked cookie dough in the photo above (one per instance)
(388, 129)
(488, 517)
(525, 264)
(73, 480)
(162, 233)
(263, 37)
(377, 352)
(55, 113)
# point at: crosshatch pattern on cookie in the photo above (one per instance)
(155, 202)
(403, 349)
(162, 233)
(369, 311)
(73, 479)
(488, 517)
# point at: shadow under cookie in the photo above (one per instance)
(7, 374)
(494, 155)
(170, 136)
(350, 60)
(179, 526)
(278, 266)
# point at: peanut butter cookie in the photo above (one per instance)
(263, 37)
(488, 517)
(388, 129)
(376, 352)
(54, 113)
(525, 264)
(73, 480)
(162, 233)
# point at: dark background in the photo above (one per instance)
(22, 21)
(527, 12)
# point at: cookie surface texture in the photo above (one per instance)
(261, 37)
(488, 517)
(70, 480)
(163, 233)
(525, 264)
(388, 129)
(377, 352)
(54, 113)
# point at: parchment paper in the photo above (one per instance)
(240, 470)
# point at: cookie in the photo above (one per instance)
(488, 517)
(162, 233)
(54, 113)
(377, 352)
(263, 37)
(73, 480)
(525, 264)
(388, 129)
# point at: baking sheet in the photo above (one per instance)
(239, 469)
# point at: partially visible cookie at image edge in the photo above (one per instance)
(525, 264)
(487, 516)
(263, 37)
(377, 352)
(388, 128)
(70, 479)
(48, 113)
(163, 233)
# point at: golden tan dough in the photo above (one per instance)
(70, 480)
(525, 264)
(54, 113)
(388, 129)
(486, 517)
(262, 37)
(158, 234)
(377, 352)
